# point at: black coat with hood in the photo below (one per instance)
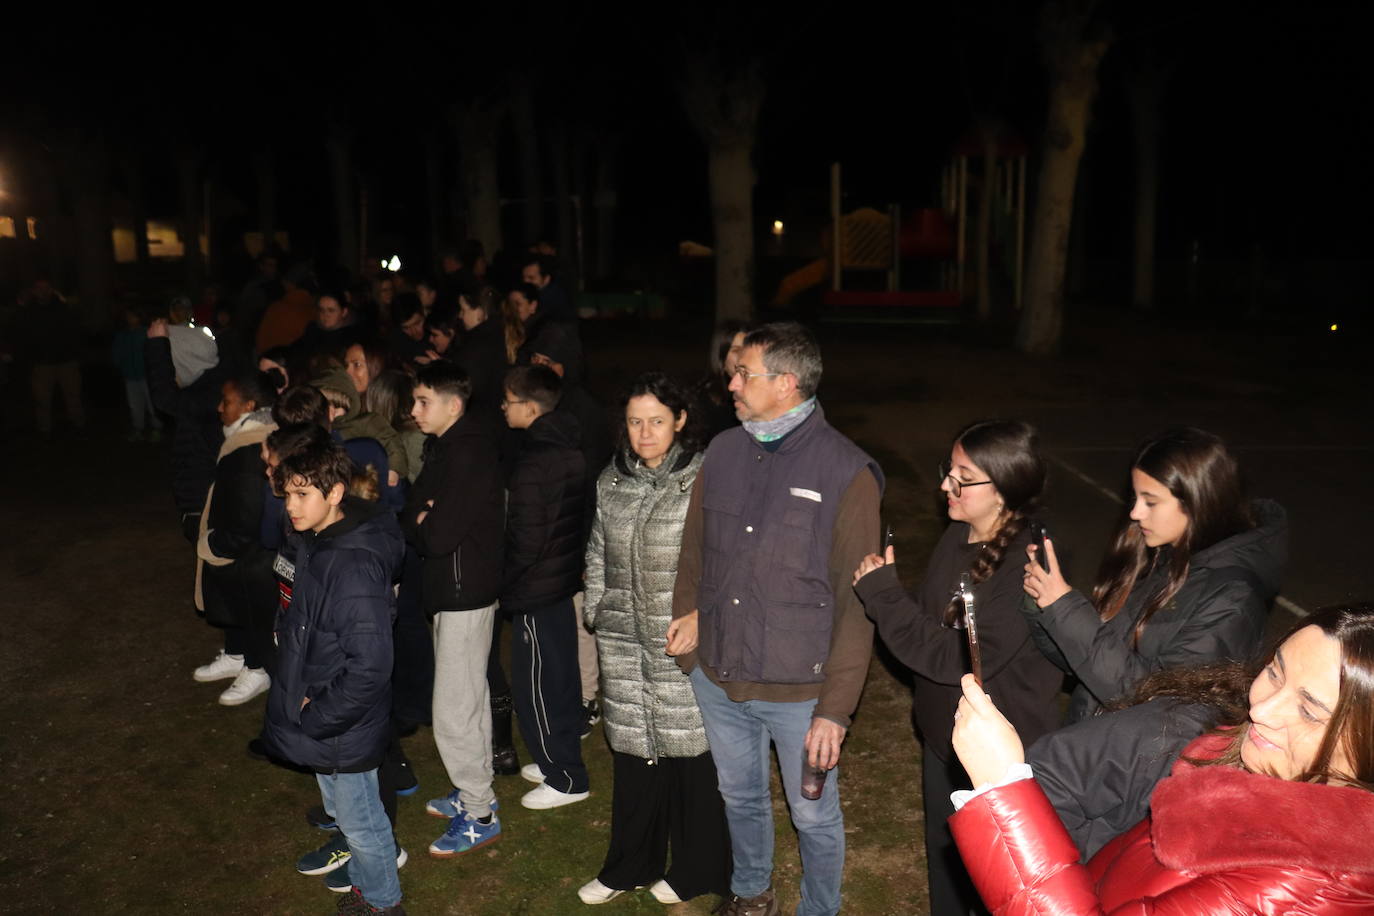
(545, 535)
(1218, 614)
(334, 645)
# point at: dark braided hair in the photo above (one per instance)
(1008, 452)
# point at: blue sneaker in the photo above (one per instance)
(339, 882)
(464, 834)
(450, 807)
(325, 859)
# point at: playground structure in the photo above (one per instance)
(869, 241)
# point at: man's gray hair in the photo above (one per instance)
(788, 347)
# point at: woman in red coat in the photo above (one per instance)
(1272, 815)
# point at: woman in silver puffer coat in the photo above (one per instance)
(665, 783)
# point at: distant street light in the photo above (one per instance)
(777, 227)
(394, 265)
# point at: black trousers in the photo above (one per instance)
(412, 675)
(672, 805)
(496, 674)
(951, 889)
(547, 686)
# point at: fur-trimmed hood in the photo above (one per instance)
(1255, 821)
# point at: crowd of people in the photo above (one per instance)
(385, 484)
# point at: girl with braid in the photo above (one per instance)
(992, 483)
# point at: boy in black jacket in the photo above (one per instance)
(330, 703)
(454, 519)
(543, 570)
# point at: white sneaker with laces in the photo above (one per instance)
(224, 666)
(531, 772)
(594, 892)
(546, 796)
(663, 892)
(250, 683)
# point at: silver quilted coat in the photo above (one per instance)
(648, 706)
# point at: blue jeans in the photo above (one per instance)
(353, 800)
(739, 734)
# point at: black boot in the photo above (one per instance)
(504, 760)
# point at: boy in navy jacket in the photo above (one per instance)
(330, 704)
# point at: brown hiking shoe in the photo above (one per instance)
(353, 904)
(764, 904)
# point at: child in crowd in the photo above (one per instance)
(330, 704)
(543, 570)
(234, 577)
(127, 353)
(455, 519)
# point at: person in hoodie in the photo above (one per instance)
(330, 706)
(348, 419)
(234, 581)
(1187, 580)
(545, 510)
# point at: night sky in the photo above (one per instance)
(1267, 124)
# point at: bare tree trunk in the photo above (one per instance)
(87, 163)
(1146, 92)
(192, 219)
(724, 108)
(138, 212)
(988, 134)
(1072, 45)
(434, 195)
(475, 126)
(527, 145)
(338, 143)
(562, 189)
(265, 168)
(732, 213)
(608, 154)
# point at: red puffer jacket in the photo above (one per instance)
(1218, 840)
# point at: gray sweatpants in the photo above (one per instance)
(461, 712)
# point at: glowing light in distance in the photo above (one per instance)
(1335, 327)
(393, 265)
(777, 227)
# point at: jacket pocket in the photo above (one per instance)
(796, 538)
(798, 638)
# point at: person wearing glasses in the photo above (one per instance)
(774, 641)
(992, 482)
(1187, 580)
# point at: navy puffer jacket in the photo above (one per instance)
(335, 645)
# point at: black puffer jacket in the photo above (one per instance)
(545, 514)
(1218, 614)
(1099, 773)
(198, 434)
(335, 645)
(461, 537)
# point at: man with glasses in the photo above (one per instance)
(765, 622)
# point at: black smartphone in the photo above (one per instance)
(1039, 534)
(887, 538)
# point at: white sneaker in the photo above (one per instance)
(224, 666)
(594, 892)
(532, 772)
(546, 796)
(663, 892)
(250, 683)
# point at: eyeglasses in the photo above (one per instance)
(956, 486)
(505, 404)
(744, 375)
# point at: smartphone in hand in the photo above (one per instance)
(1040, 534)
